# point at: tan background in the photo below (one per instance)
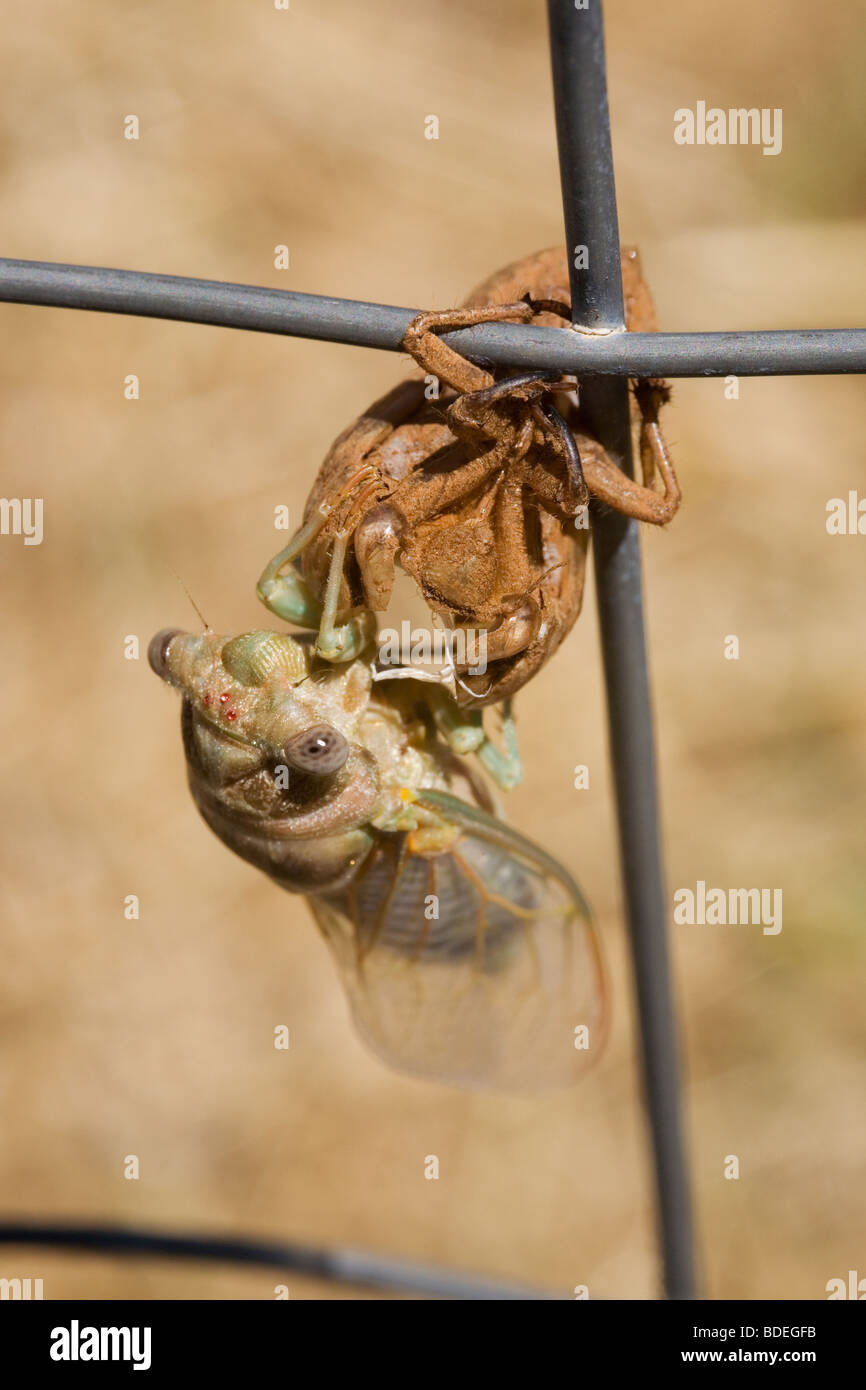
(155, 1037)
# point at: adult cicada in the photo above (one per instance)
(467, 952)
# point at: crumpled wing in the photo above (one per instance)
(477, 966)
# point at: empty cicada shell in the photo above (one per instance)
(480, 494)
(467, 953)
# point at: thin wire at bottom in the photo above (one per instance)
(342, 1264)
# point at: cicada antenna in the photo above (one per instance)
(204, 622)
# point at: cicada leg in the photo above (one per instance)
(472, 410)
(284, 592)
(616, 488)
(464, 734)
(421, 342)
(287, 595)
(504, 763)
(341, 641)
(553, 423)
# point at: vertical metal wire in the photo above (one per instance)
(589, 201)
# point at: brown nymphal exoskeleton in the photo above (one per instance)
(480, 495)
(467, 953)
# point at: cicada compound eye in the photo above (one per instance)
(320, 750)
(157, 650)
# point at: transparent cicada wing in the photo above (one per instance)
(478, 965)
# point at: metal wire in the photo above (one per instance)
(789, 352)
(343, 1265)
(589, 201)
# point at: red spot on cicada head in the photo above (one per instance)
(225, 697)
(205, 700)
(231, 714)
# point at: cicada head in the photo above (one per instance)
(273, 758)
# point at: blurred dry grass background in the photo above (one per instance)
(155, 1038)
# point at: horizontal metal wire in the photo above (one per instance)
(778, 353)
(344, 1265)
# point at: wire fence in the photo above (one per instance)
(360, 324)
(604, 355)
